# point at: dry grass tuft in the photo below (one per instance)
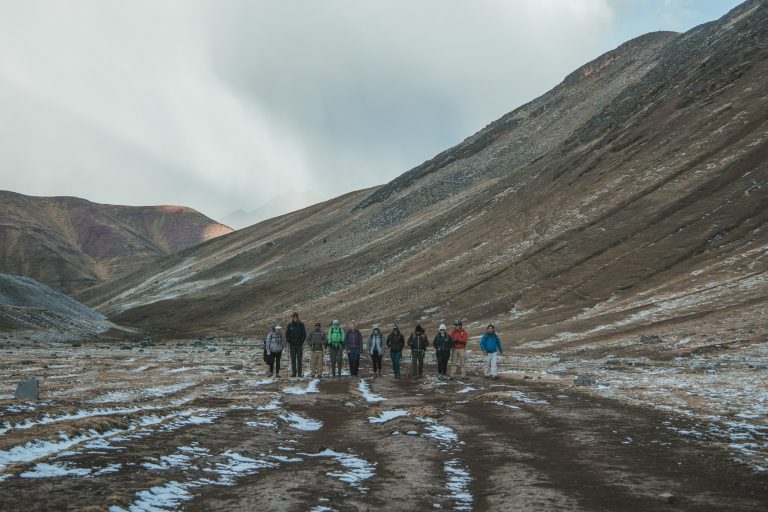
(424, 412)
(492, 395)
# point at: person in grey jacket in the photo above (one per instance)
(376, 349)
(274, 345)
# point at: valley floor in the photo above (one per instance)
(182, 426)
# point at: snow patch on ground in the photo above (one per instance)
(357, 470)
(365, 390)
(386, 416)
(298, 390)
(300, 422)
(171, 495)
(131, 395)
(458, 484)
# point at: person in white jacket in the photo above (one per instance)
(274, 344)
(376, 349)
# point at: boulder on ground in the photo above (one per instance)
(584, 380)
(28, 389)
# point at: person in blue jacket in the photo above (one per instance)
(490, 344)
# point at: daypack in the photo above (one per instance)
(335, 336)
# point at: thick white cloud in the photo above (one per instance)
(220, 105)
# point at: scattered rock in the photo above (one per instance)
(650, 339)
(584, 380)
(212, 349)
(237, 366)
(228, 352)
(126, 347)
(28, 389)
(668, 497)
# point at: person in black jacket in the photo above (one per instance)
(295, 334)
(396, 343)
(443, 345)
(418, 342)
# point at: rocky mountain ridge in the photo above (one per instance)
(71, 243)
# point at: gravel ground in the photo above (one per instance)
(176, 427)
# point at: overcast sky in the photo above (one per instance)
(223, 104)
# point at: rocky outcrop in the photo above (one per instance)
(26, 305)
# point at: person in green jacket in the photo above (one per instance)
(336, 347)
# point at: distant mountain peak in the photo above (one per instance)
(71, 243)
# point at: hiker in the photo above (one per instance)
(317, 343)
(443, 345)
(335, 347)
(376, 349)
(490, 344)
(418, 342)
(396, 343)
(295, 333)
(459, 353)
(354, 343)
(274, 344)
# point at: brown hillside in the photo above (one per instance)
(71, 244)
(630, 196)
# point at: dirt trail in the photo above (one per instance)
(185, 431)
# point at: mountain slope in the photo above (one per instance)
(631, 195)
(71, 244)
(26, 305)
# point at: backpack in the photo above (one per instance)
(335, 336)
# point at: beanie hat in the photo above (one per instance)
(336, 322)
(442, 327)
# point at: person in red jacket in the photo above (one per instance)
(459, 352)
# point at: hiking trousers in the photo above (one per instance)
(274, 363)
(442, 361)
(396, 356)
(316, 362)
(376, 361)
(337, 354)
(459, 361)
(417, 363)
(297, 354)
(491, 361)
(354, 362)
